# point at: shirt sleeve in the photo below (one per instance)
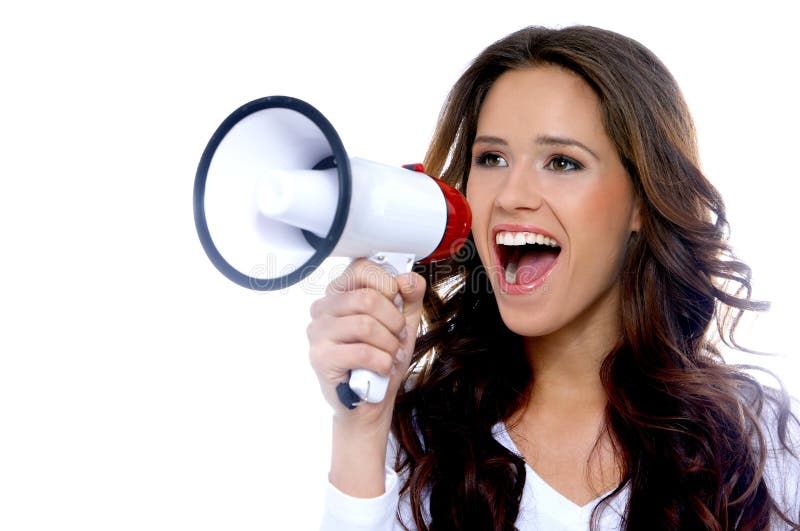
(346, 513)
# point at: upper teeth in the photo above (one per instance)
(521, 238)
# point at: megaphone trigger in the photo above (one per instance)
(394, 263)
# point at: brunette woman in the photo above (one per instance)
(565, 375)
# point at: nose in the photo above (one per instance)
(519, 190)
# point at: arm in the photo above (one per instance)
(347, 513)
(357, 324)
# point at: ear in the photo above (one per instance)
(636, 220)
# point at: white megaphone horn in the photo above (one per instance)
(276, 193)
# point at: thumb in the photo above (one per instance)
(412, 289)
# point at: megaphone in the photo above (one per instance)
(276, 193)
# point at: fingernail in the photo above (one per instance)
(400, 356)
(398, 300)
(403, 335)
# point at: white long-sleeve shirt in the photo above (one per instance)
(544, 508)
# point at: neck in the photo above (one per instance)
(566, 364)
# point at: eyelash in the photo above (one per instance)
(482, 160)
(564, 159)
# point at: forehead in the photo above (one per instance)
(541, 100)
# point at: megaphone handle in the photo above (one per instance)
(365, 385)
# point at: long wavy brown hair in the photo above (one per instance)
(686, 425)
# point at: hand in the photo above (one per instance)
(357, 325)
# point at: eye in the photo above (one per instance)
(561, 163)
(491, 160)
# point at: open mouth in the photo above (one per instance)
(525, 257)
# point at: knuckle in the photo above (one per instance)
(363, 354)
(316, 330)
(378, 279)
(365, 326)
(387, 284)
(374, 359)
(385, 363)
(360, 264)
(316, 308)
(368, 301)
(341, 283)
(314, 355)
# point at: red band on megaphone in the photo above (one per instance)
(415, 167)
(459, 223)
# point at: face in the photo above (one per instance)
(547, 183)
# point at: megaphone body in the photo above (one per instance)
(276, 193)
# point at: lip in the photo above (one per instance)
(498, 271)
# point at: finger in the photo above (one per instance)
(360, 328)
(335, 360)
(364, 273)
(411, 287)
(364, 301)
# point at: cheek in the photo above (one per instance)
(481, 208)
(471, 192)
(607, 208)
(476, 198)
(600, 224)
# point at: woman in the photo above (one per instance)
(564, 377)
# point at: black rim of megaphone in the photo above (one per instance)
(323, 246)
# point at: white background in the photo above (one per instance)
(139, 388)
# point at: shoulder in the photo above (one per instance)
(779, 421)
(780, 428)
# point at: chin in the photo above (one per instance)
(525, 323)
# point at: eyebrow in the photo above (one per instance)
(544, 140)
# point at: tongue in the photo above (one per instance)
(533, 264)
